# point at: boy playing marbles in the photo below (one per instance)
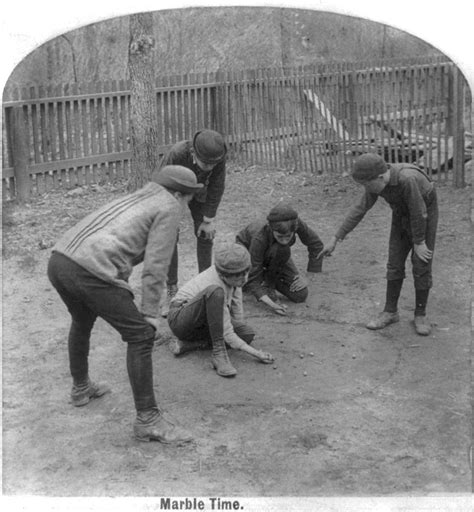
(207, 311)
(412, 197)
(272, 268)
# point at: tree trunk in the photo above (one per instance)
(143, 112)
(285, 39)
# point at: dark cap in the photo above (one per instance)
(209, 146)
(282, 212)
(368, 167)
(177, 178)
(231, 258)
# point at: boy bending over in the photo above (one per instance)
(90, 267)
(412, 197)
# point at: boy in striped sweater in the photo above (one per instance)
(90, 267)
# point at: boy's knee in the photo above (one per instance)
(300, 295)
(143, 347)
(143, 334)
(214, 292)
(245, 332)
(394, 273)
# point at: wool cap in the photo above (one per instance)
(177, 178)
(368, 167)
(231, 258)
(209, 146)
(282, 212)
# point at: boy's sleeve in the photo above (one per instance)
(177, 155)
(356, 214)
(236, 306)
(169, 158)
(314, 244)
(230, 336)
(255, 281)
(416, 207)
(158, 252)
(215, 191)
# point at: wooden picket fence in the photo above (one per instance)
(313, 118)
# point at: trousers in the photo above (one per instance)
(201, 319)
(203, 247)
(88, 297)
(401, 243)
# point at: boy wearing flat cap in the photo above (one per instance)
(207, 311)
(412, 198)
(269, 245)
(90, 267)
(205, 155)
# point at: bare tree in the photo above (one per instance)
(143, 112)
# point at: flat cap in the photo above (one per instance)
(282, 212)
(368, 167)
(209, 146)
(177, 178)
(231, 258)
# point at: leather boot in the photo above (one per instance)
(220, 359)
(422, 325)
(82, 394)
(382, 320)
(179, 347)
(153, 425)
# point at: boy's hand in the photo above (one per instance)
(206, 230)
(265, 357)
(423, 252)
(328, 248)
(279, 309)
(155, 323)
(298, 284)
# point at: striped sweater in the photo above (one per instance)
(139, 227)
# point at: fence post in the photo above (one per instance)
(20, 152)
(353, 105)
(458, 128)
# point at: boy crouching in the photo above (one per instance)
(272, 268)
(207, 311)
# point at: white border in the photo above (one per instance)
(26, 24)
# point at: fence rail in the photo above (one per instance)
(313, 118)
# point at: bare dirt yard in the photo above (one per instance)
(344, 411)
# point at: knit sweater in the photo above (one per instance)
(233, 307)
(140, 227)
(409, 194)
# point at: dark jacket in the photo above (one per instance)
(214, 181)
(409, 193)
(257, 237)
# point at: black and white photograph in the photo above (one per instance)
(236, 268)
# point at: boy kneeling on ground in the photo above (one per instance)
(207, 311)
(272, 269)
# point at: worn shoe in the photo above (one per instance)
(179, 347)
(82, 395)
(422, 325)
(154, 425)
(165, 307)
(382, 320)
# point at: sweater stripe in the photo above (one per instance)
(105, 217)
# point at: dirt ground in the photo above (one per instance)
(344, 411)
